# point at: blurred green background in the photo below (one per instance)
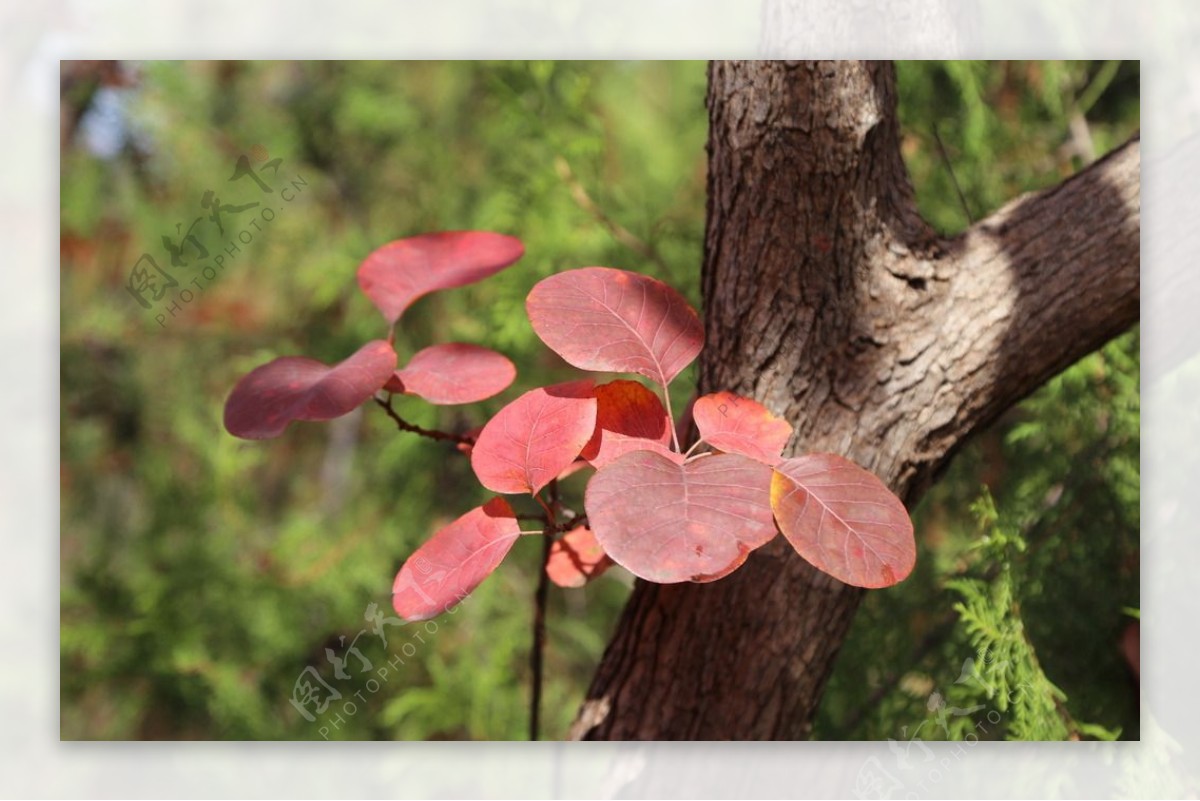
(201, 575)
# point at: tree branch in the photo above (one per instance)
(998, 311)
(831, 302)
(404, 425)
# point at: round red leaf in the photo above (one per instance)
(454, 561)
(398, 273)
(628, 417)
(296, 388)
(534, 438)
(454, 373)
(668, 522)
(739, 425)
(577, 558)
(598, 318)
(843, 520)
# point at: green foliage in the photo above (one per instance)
(1005, 672)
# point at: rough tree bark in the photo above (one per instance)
(828, 299)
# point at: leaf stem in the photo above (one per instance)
(623, 235)
(670, 417)
(404, 425)
(539, 613)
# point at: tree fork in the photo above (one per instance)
(829, 300)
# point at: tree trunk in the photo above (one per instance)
(829, 300)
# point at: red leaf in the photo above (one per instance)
(667, 522)
(843, 520)
(454, 373)
(577, 558)
(739, 425)
(598, 318)
(534, 438)
(628, 417)
(454, 561)
(296, 388)
(398, 273)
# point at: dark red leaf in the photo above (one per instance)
(296, 388)
(454, 561)
(628, 417)
(598, 318)
(454, 373)
(534, 438)
(667, 522)
(739, 425)
(843, 520)
(398, 273)
(577, 558)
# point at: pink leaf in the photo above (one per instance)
(454, 561)
(398, 273)
(296, 388)
(577, 558)
(454, 373)
(843, 520)
(628, 417)
(739, 425)
(598, 318)
(534, 438)
(667, 522)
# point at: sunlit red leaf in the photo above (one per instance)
(297, 388)
(843, 520)
(454, 561)
(739, 425)
(667, 522)
(534, 438)
(454, 373)
(628, 417)
(398, 273)
(598, 318)
(576, 559)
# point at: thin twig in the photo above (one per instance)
(539, 613)
(953, 178)
(404, 425)
(619, 232)
(574, 522)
